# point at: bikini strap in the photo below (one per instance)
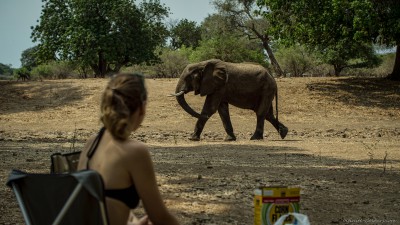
(94, 145)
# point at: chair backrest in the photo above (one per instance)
(75, 198)
(64, 162)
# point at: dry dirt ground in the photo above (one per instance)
(342, 150)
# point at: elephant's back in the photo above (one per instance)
(244, 75)
(250, 69)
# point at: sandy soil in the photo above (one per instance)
(343, 147)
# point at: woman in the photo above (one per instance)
(125, 165)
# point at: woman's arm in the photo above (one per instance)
(143, 175)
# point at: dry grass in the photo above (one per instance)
(342, 149)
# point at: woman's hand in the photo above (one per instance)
(133, 220)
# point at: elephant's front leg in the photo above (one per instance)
(209, 108)
(198, 129)
(259, 133)
(223, 111)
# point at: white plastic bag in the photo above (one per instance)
(301, 219)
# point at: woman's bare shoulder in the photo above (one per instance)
(137, 147)
(88, 143)
(136, 150)
(83, 158)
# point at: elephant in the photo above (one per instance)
(23, 76)
(244, 85)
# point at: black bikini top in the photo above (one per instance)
(128, 195)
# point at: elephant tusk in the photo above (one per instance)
(176, 94)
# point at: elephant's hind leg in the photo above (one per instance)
(223, 112)
(282, 129)
(261, 110)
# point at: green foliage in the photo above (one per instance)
(43, 71)
(381, 71)
(346, 54)
(229, 48)
(384, 26)
(22, 74)
(54, 70)
(104, 35)
(29, 58)
(5, 69)
(339, 29)
(172, 62)
(185, 33)
(216, 25)
(244, 17)
(221, 40)
(296, 60)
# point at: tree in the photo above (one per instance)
(29, 58)
(186, 33)
(216, 25)
(296, 60)
(230, 49)
(349, 54)
(5, 69)
(220, 40)
(244, 16)
(342, 30)
(386, 28)
(102, 34)
(172, 62)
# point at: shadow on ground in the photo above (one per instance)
(37, 96)
(370, 92)
(213, 183)
(227, 175)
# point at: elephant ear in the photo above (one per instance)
(214, 77)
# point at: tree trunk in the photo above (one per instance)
(271, 56)
(395, 75)
(95, 69)
(338, 69)
(265, 42)
(102, 64)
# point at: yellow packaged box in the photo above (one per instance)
(270, 203)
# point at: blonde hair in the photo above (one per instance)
(124, 94)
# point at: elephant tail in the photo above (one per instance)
(282, 129)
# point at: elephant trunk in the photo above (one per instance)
(182, 102)
(180, 97)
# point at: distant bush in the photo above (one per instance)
(42, 71)
(146, 70)
(5, 69)
(54, 70)
(6, 77)
(385, 68)
(170, 65)
(230, 49)
(296, 61)
(172, 62)
(63, 70)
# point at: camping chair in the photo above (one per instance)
(64, 162)
(75, 198)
